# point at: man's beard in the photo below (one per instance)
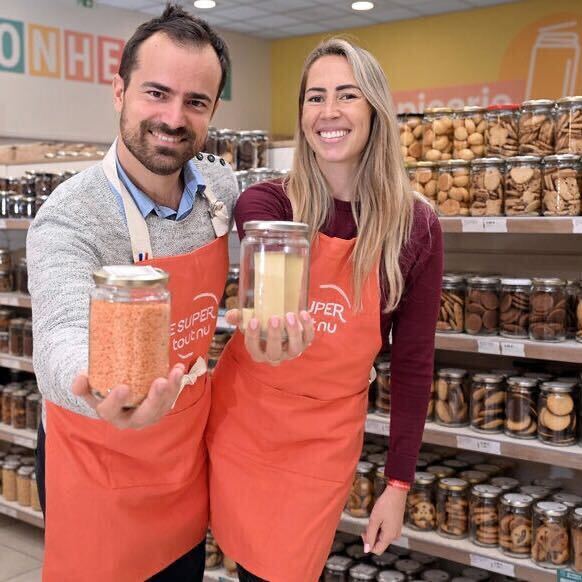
(158, 159)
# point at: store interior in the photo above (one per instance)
(489, 101)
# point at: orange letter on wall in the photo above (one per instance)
(109, 56)
(44, 51)
(79, 56)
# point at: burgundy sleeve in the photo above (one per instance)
(413, 341)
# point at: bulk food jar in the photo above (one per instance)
(523, 186)
(514, 308)
(557, 413)
(383, 388)
(515, 524)
(569, 125)
(363, 573)
(483, 515)
(501, 135)
(129, 330)
(487, 187)
(423, 178)
(521, 411)
(547, 319)
(226, 146)
(337, 569)
(536, 127)
(488, 403)
(361, 498)
(453, 188)
(451, 314)
(410, 125)
(482, 306)
(452, 508)
(420, 502)
(437, 141)
(551, 535)
(561, 185)
(469, 133)
(274, 271)
(576, 538)
(452, 397)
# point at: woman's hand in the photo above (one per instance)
(385, 523)
(276, 349)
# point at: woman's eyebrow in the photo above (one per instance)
(338, 88)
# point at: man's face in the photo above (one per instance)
(167, 106)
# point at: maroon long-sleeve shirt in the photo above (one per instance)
(413, 323)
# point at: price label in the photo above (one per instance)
(24, 442)
(569, 575)
(492, 565)
(495, 225)
(486, 346)
(8, 511)
(377, 427)
(401, 542)
(513, 349)
(577, 225)
(481, 445)
(472, 225)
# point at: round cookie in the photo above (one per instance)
(560, 404)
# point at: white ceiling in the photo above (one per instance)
(284, 18)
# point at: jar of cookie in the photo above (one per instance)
(536, 492)
(521, 409)
(506, 484)
(452, 508)
(410, 125)
(363, 573)
(579, 314)
(451, 314)
(473, 476)
(569, 125)
(9, 469)
(483, 515)
(523, 186)
(576, 539)
(570, 500)
(482, 306)
(515, 524)
(230, 296)
(557, 413)
(453, 188)
(549, 483)
(536, 127)
(572, 291)
(337, 569)
(551, 535)
(488, 403)
(457, 465)
(438, 134)
(561, 185)
(383, 388)
(423, 178)
(18, 404)
(469, 133)
(441, 471)
(379, 481)
(391, 576)
(501, 134)
(547, 319)
(487, 187)
(514, 308)
(361, 498)
(430, 407)
(420, 503)
(452, 397)
(23, 476)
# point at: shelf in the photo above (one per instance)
(15, 299)
(15, 223)
(23, 437)
(462, 551)
(219, 574)
(492, 444)
(12, 509)
(16, 363)
(517, 225)
(568, 351)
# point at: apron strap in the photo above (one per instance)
(218, 212)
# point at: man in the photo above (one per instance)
(124, 504)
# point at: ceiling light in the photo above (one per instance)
(204, 4)
(362, 5)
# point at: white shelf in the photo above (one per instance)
(516, 225)
(23, 437)
(16, 363)
(15, 223)
(15, 299)
(13, 509)
(219, 574)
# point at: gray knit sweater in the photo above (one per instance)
(80, 228)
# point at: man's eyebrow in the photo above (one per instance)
(164, 89)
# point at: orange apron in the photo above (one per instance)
(124, 504)
(284, 442)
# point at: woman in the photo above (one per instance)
(284, 441)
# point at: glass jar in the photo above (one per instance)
(506, 484)
(28, 207)
(420, 503)
(338, 547)
(536, 492)
(363, 573)
(27, 339)
(576, 538)
(337, 569)
(7, 404)
(230, 297)
(572, 291)
(482, 306)
(436, 575)
(557, 414)
(379, 481)
(4, 197)
(391, 576)
(210, 146)
(423, 178)
(245, 150)
(438, 134)
(6, 280)
(483, 515)
(473, 476)
(536, 127)
(129, 329)
(521, 411)
(501, 134)
(383, 388)
(451, 314)
(18, 403)
(9, 469)
(570, 500)
(452, 508)
(361, 498)
(487, 187)
(410, 125)
(274, 263)
(488, 403)
(356, 552)
(469, 133)
(21, 276)
(226, 146)
(453, 188)
(547, 320)
(410, 568)
(457, 465)
(523, 186)
(242, 179)
(551, 535)
(569, 125)
(5, 259)
(15, 205)
(23, 476)
(5, 315)
(16, 336)
(33, 411)
(430, 407)
(514, 308)
(561, 185)
(213, 553)
(40, 200)
(489, 469)
(515, 527)
(261, 141)
(34, 497)
(452, 404)
(552, 485)
(441, 471)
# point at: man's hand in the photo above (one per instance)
(161, 396)
(276, 349)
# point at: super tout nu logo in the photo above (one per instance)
(329, 308)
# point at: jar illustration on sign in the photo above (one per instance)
(554, 60)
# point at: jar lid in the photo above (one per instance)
(549, 281)
(422, 164)
(391, 576)
(276, 226)
(473, 477)
(25, 471)
(504, 106)
(424, 478)
(456, 464)
(572, 158)
(435, 576)
(504, 483)
(548, 483)
(132, 276)
(476, 574)
(524, 160)
(364, 467)
(431, 110)
(568, 499)
(486, 491)
(488, 378)
(483, 280)
(452, 372)
(10, 465)
(380, 470)
(20, 393)
(355, 551)
(532, 103)
(4, 251)
(440, 471)
(339, 564)
(453, 278)
(517, 499)
(28, 324)
(408, 566)
(17, 322)
(550, 508)
(243, 133)
(567, 379)
(384, 560)
(534, 491)
(451, 163)
(34, 397)
(558, 387)
(225, 132)
(578, 512)
(232, 270)
(453, 484)
(540, 376)
(429, 457)
(572, 99)
(516, 282)
(471, 458)
(473, 109)
(488, 162)
(462, 579)
(422, 558)
(16, 197)
(376, 459)
(363, 572)
(487, 468)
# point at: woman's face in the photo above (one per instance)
(336, 117)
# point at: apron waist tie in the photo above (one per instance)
(198, 369)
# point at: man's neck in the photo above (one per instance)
(163, 190)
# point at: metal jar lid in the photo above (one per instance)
(276, 226)
(523, 160)
(391, 576)
(364, 467)
(568, 499)
(363, 572)
(558, 387)
(385, 560)
(519, 500)
(533, 103)
(453, 163)
(452, 372)
(539, 376)
(535, 491)
(488, 162)
(473, 109)
(453, 279)
(551, 509)
(376, 459)
(565, 158)
(408, 566)
(339, 564)
(429, 457)
(453, 484)
(424, 478)
(486, 378)
(504, 107)
(26, 471)
(552, 484)
(572, 99)
(130, 276)
(516, 282)
(473, 477)
(382, 366)
(486, 491)
(553, 281)
(440, 471)
(456, 464)
(487, 468)
(436, 576)
(578, 512)
(355, 551)
(504, 483)
(438, 110)
(10, 465)
(476, 574)
(479, 280)
(422, 164)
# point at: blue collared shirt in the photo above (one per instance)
(193, 183)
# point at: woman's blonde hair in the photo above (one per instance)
(383, 204)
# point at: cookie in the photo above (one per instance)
(560, 404)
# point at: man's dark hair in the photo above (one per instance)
(182, 28)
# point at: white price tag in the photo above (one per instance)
(495, 224)
(24, 442)
(513, 349)
(481, 445)
(487, 346)
(472, 225)
(401, 542)
(577, 225)
(8, 511)
(492, 565)
(377, 427)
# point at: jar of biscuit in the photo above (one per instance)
(7, 404)
(33, 410)
(515, 524)
(363, 573)
(5, 315)
(570, 500)
(379, 481)
(9, 469)
(551, 535)
(489, 469)
(23, 476)
(572, 291)
(569, 125)
(452, 393)
(521, 409)
(420, 503)
(514, 308)
(523, 186)
(501, 134)
(506, 484)
(482, 306)
(423, 178)
(547, 320)
(576, 538)
(557, 413)
(383, 388)
(488, 403)
(536, 492)
(226, 146)
(410, 125)
(18, 404)
(438, 134)
(452, 508)
(430, 407)
(361, 498)
(451, 314)
(483, 515)
(337, 569)
(473, 476)
(16, 336)
(34, 497)
(487, 187)
(230, 297)
(536, 127)
(561, 185)
(453, 188)
(469, 133)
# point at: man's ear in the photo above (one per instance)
(118, 92)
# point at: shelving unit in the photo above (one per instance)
(513, 225)
(26, 514)
(15, 299)
(23, 437)
(15, 223)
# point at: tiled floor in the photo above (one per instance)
(21, 551)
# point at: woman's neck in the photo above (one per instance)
(340, 177)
